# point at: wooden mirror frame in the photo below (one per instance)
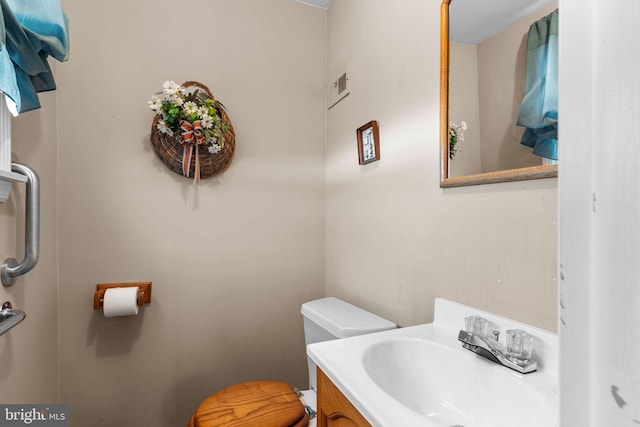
(522, 174)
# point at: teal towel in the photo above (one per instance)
(30, 32)
(539, 108)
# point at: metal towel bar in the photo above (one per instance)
(10, 269)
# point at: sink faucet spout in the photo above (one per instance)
(484, 347)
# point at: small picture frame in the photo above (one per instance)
(368, 143)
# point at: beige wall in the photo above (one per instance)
(394, 239)
(464, 105)
(29, 352)
(232, 259)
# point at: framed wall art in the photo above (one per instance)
(368, 143)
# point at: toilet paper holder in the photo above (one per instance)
(144, 292)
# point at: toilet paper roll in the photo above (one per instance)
(120, 302)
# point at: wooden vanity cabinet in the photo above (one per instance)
(334, 409)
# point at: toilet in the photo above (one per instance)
(274, 403)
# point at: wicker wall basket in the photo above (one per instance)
(170, 151)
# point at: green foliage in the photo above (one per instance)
(173, 113)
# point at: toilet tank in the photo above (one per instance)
(330, 318)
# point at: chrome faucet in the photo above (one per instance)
(494, 351)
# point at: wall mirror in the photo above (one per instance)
(484, 78)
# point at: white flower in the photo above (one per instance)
(171, 87)
(162, 127)
(203, 111)
(176, 99)
(463, 125)
(190, 107)
(155, 103)
(214, 148)
(207, 121)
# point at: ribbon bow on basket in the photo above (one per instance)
(191, 136)
(191, 132)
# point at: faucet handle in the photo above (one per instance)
(496, 335)
(476, 325)
(519, 346)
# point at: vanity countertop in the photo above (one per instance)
(421, 375)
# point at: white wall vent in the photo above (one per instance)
(338, 89)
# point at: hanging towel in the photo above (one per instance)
(30, 32)
(539, 108)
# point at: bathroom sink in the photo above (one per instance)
(422, 376)
(455, 388)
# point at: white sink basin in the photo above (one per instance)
(421, 376)
(453, 388)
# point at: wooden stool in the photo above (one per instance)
(251, 404)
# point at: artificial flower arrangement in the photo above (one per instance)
(193, 118)
(456, 133)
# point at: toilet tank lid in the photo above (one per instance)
(342, 319)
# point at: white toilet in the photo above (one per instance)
(324, 319)
(329, 319)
